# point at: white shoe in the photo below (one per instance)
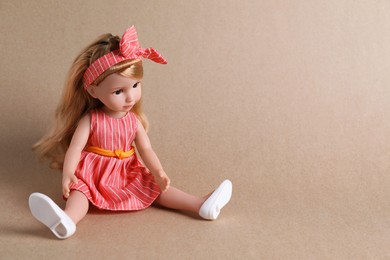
(47, 212)
(211, 208)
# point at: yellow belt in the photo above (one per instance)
(116, 153)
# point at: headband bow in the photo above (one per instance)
(129, 49)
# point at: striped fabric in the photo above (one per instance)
(108, 182)
(129, 49)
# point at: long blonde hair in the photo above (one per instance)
(76, 102)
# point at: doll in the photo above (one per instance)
(98, 121)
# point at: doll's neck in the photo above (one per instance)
(114, 114)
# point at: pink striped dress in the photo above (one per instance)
(111, 183)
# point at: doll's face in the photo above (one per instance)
(118, 94)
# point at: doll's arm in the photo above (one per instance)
(73, 154)
(150, 158)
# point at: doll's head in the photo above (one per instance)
(75, 88)
(108, 54)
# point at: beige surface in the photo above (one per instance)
(288, 99)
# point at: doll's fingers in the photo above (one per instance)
(65, 188)
(65, 192)
(166, 186)
(167, 183)
(74, 179)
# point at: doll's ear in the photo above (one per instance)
(91, 91)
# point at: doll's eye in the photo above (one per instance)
(117, 92)
(136, 84)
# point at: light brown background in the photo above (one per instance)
(288, 99)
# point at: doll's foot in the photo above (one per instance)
(211, 208)
(48, 213)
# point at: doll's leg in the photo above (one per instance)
(174, 198)
(76, 206)
(208, 207)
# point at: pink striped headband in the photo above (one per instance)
(129, 49)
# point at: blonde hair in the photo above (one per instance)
(76, 102)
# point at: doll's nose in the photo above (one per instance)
(129, 97)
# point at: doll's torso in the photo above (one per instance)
(112, 133)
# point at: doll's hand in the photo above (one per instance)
(163, 181)
(66, 180)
